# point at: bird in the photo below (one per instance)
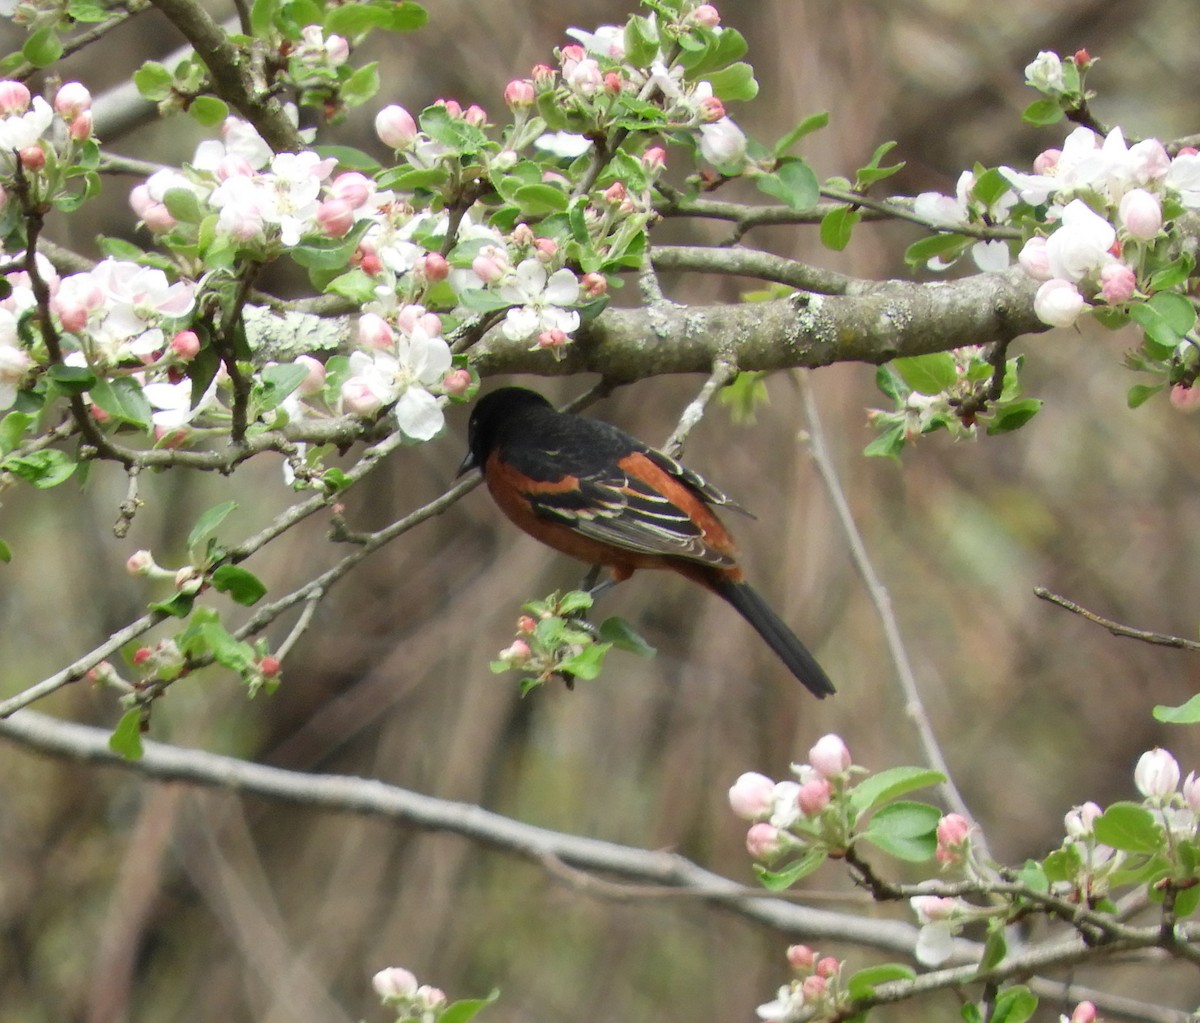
(590, 490)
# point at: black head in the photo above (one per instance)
(489, 415)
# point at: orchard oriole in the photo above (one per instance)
(589, 490)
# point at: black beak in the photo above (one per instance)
(468, 463)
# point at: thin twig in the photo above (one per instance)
(722, 373)
(1116, 628)
(914, 706)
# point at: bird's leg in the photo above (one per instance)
(589, 580)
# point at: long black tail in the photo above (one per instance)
(778, 636)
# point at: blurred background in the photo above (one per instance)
(125, 900)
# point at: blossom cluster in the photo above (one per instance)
(412, 1002)
(814, 992)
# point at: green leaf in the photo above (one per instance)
(946, 248)
(641, 42)
(1033, 877)
(407, 16)
(888, 444)
(995, 948)
(1185, 714)
(12, 430)
(454, 132)
(1014, 1005)
(1156, 327)
(711, 51)
(1129, 827)
(794, 182)
(183, 205)
(178, 606)
(877, 789)
(348, 157)
(362, 85)
(71, 379)
(244, 587)
(5, 552)
(126, 739)
(862, 984)
(465, 1010)
(928, 374)
(1014, 415)
(355, 285)
(624, 636)
(123, 399)
(540, 200)
(906, 830)
(1042, 112)
(1139, 394)
(735, 82)
(356, 19)
(226, 650)
(1063, 864)
(208, 110)
(837, 226)
(208, 523)
(42, 469)
(810, 124)
(43, 47)
(990, 186)
(281, 379)
(1173, 275)
(153, 81)
(1177, 310)
(779, 880)
(587, 663)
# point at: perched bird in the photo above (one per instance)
(592, 491)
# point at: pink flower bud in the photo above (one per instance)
(72, 99)
(1141, 214)
(573, 52)
(523, 234)
(367, 260)
(337, 50)
(547, 248)
(711, 109)
(519, 94)
(801, 957)
(188, 579)
(1185, 397)
(158, 219)
(616, 193)
(457, 382)
(140, 563)
(141, 655)
(33, 158)
(517, 653)
(552, 339)
(1046, 161)
(1117, 283)
(594, 284)
(430, 999)
(1083, 61)
(613, 83)
(1034, 259)
(829, 757)
(706, 15)
(763, 841)
(375, 332)
(814, 796)
(433, 267)
(270, 666)
(80, 129)
(352, 188)
(336, 217)
(394, 983)
(395, 127)
(358, 398)
(186, 345)
(931, 908)
(453, 107)
(488, 268)
(314, 383)
(1156, 775)
(14, 98)
(1079, 819)
(1058, 303)
(813, 987)
(526, 625)
(542, 74)
(654, 158)
(828, 967)
(1085, 1012)
(953, 831)
(475, 115)
(750, 797)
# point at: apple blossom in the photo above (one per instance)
(395, 983)
(33, 158)
(722, 142)
(1191, 791)
(1045, 73)
(20, 131)
(433, 266)
(352, 188)
(14, 97)
(654, 159)
(563, 144)
(457, 382)
(801, 957)
(1084, 1012)
(763, 841)
(1081, 243)
(1080, 820)
(395, 127)
(606, 41)
(1117, 283)
(1058, 303)
(706, 15)
(475, 115)
(814, 796)
(788, 1005)
(72, 99)
(1033, 259)
(829, 756)
(1141, 214)
(828, 967)
(940, 919)
(1156, 775)
(519, 94)
(751, 796)
(186, 345)
(15, 363)
(538, 301)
